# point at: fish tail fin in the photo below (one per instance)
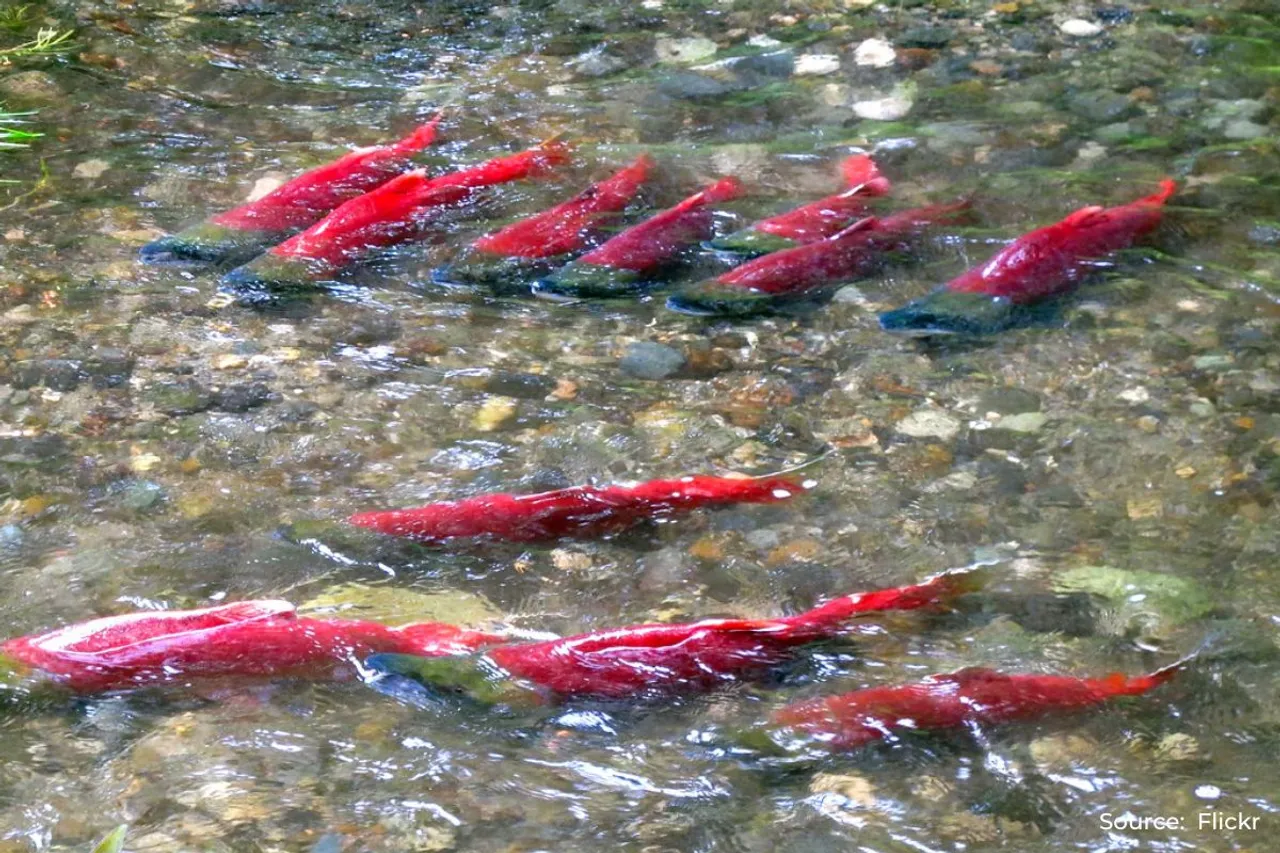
(934, 590)
(860, 171)
(554, 150)
(1168, 187)
(725, 189)
(641, 167)
(422, 137)
(943, 213)
(1122, 685)
(960, 581)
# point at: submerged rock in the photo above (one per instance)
(648, 360)
(1080, 28)
(929, 423)
(684, 51)
(36, 87)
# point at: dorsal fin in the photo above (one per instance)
(1086, 216)
(971, 675)
(864, 224)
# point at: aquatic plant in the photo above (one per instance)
(13, 137)
(48, 42)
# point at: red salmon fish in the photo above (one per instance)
(247, 639)
(968, 697)
(506, 259)
(858, 250)
(816, 220)
(393, 213)
(1045, 263)
(660, 659)
(624, 263)
(576, 511)
(239, 234)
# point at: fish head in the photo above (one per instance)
(947, 312)
(716, 299)
(207, 243)
(588, 281)
(750, 243)
(475, 678)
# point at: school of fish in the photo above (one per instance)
(309, 230)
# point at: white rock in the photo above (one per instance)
(91, 169)
(874, 53)
(1090, 152)
(684, 50)
(891, 108)
(763, 41)
(816, 64)
(929, 422)
(266, 185)
(1080, 28)
(1135, 395)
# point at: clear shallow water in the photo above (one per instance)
(154, 446)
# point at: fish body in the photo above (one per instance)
(576, 511)
(238, 235)
(969, 697)
(623, 264)
(393, 213)
(766, 282)
(1038, 266)
(250, 639)
(814, 221)
(647, 661)
(510, 259)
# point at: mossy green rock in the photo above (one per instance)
(397, 606)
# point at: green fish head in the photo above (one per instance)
(208, 243)
(946, 312)
(750, 243)
(713, 299)
(473, 677)
(500, 274)
(589, 281)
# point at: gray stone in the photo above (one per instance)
(1025, 423)
(1102, 107)
(597, 63)
(684, 50)
(1009, 401)
(929, 422)
(1117, 132)
(56, 374)
(689, 85)
(1243, 129)
(34, 87)
(1265, 234)
(138, 495)
(243, 397)
(933, 37)
(179, 398)
(648, 360)
(776, 63)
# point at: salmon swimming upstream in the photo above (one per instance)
(957, 700)
(1044, 264)
(659, 660)
(511, 259)
(814, 221)
(393, 213)
(241, 641)
(624, 264)
(770, 281)
(238, 235)
(577, 511)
